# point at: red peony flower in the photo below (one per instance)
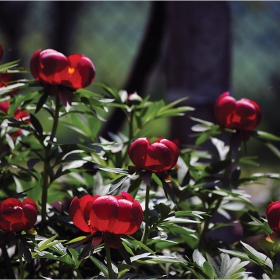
(54, 68)
(159, 156)
(244, 114)
(16, 216)
(111, 215)
(273, 216)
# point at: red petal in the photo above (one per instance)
(22, 115)
(273, 216)
(34, 64)
(52, 63)
(137, 217)
(87, 71)
(105, 213)
(30, 216)
(138, 152)
(4, 106)
(77, 215)
(224, 106)
(174, 151)
(124, 218)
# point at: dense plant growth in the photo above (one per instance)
(137, 206)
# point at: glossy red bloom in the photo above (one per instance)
(17, 216)
(273, 216)
(119, 214)
(54, 68)
(159, 156)
(243, 114)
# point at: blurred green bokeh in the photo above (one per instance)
(109, 33)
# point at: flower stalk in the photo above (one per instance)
(47, 168)
(109, 262)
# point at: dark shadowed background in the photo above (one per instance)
(164, 49)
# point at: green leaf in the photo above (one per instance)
(43, 245)
(137, 243)
(35, 122)
(41, 102)
(99, 265)
(227, 268)
(115, 170)
(257, 256)
(197, 214)
(265, 136)
(77, 239)
(117, 183)
(198, 258)
(75, 257)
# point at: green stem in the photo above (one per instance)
(109, 262)
(7, 261)
(146, 229)
(45, 183)
(21, 266)
(207, 223)
(130, 135)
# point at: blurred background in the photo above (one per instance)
(162, 49)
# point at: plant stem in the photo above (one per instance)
(109, 262)
(45, 184)
(207, 223)
(146, 229)
(130, 135)
(21, 267)
(7, 261)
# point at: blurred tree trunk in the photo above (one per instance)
(12, 17)
(148, 55)
(197, 56)
(65, 15)
(198, 59)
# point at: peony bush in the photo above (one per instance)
(134, 205)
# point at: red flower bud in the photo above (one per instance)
(17, 216)
(114, 214)
(273, 216)
(52, 67)
(159, 156)
(244, 114)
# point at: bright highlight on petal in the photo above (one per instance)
(54, 68)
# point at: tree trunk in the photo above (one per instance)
(197, 59)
